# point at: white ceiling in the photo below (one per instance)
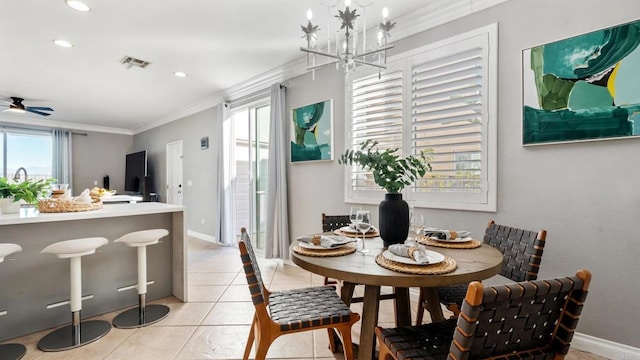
(218, 43)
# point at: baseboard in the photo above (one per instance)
(201, 236)
(606, 348)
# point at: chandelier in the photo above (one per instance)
(349, 54)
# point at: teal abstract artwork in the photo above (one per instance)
(583, 88)
(311, 132)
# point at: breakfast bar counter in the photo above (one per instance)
(31, 281)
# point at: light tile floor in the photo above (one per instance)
(214, 324)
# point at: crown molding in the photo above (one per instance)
(61, 125)
(434, 13)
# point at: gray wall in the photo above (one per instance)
(96, 155)
(584, 194)
(198, 166)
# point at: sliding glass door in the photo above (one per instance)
(251, 155)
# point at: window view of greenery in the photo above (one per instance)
(31, 151)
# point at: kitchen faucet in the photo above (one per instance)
(16, 176)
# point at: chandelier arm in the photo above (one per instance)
(316, 67)
(320, 53)
(369, 63)
(375, 51)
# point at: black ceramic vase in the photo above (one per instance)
(393, 219)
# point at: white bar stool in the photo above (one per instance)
(10, 351)
(144, 314)
(71, 336)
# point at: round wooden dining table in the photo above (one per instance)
(358, 268)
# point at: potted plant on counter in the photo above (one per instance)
(12, 194)
(392, 173)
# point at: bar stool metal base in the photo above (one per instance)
(70, 336)
(139, 317)
(12, 351)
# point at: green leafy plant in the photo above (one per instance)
(28, 190)
(390, 171)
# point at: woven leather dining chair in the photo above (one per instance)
(522, 251)
(330, 223)
(523, 320)
(289, 311)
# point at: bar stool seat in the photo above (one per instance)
(143, 314)
(77, 333)
(10, 351)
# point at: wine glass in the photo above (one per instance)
(416, 224)
(352, 216)
(363, 224)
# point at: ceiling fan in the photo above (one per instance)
(16, 105)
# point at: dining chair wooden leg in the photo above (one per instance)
(402, 306)
(420, 310)
(333, 341)
(247, 348)
(384, 352)
(263, 348)
(346, 292)
(347, 343)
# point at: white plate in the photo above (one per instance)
(307, 245)
(434, 258)
(456, 240)
(348, 229)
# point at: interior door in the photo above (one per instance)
(174, 173)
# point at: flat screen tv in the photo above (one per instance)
(135, 172)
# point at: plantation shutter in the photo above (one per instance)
(440, 99)
(376, 114)
(448, 121)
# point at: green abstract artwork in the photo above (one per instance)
(583, 88)
(311, 132)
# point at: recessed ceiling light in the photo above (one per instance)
(63, 43)
(77, 5)
(180, 74)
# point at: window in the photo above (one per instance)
(440, 99)
(28, 149)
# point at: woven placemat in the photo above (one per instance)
(344, 250)
(446, 266)
(370, 234)
(463, 245)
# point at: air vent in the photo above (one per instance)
(129, 61)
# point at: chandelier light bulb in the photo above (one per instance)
(385, 14)
(347, 3)
(309, 15)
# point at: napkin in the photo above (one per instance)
(445, 234)
(328, 242)
(84, 197)
(411, 250)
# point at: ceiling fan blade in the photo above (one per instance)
(42, 108)
(6, 101)
(37, 112)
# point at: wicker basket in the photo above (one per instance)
(60, 206)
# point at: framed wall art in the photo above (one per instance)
(312, 132)
(586, 87)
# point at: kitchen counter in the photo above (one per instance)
(31, 280)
